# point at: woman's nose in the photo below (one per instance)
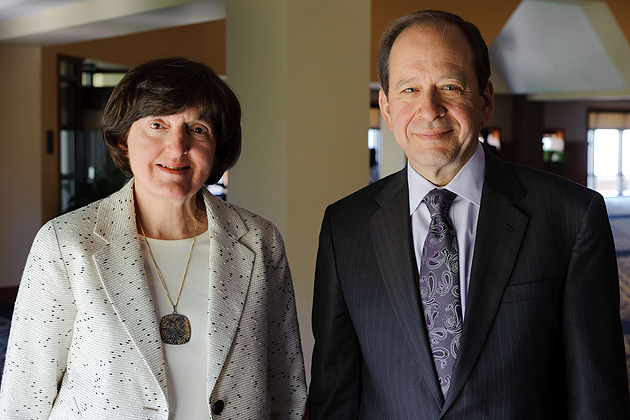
(178, 141)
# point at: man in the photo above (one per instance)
(501, 305)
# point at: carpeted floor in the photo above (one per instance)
(6, 309)
(619, 213)
(618, 210)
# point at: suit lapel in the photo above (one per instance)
(121, 269)
(390, 226)
(231, 267)
(500, 231)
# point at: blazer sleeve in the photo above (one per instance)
(287, 382)
(41, 332)
(597, 382)
(335, 390)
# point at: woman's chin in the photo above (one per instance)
(174, 191)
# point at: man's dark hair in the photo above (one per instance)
(171, 86)
(435, 18)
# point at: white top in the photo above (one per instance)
(464, 212)
(186, 364)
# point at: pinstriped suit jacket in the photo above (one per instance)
(84, 342)
(542, 336)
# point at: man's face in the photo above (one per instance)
(434, 107)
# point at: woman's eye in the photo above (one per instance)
(200, 132)
(155, 125)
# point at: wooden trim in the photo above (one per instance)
(8, 294)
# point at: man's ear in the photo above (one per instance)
(488, 104)
(383, 103)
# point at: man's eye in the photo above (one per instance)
(451, 87)
(410, 90)
(155, 125)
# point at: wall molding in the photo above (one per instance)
(8, 294)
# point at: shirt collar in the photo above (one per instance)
(467, 184)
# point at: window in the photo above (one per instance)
(609, 153)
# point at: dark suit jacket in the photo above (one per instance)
(542, 336)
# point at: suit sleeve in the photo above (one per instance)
(41, 332)
(595, 357)
(287, 382)
(335, 391)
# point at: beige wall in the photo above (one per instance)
(21, 151)
(392, 156)
(305, 98)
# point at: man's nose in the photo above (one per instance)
(430, 106)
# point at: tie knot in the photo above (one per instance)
(438, 201)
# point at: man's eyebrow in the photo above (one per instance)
(450, 76)
(405, 81)
(455, 76)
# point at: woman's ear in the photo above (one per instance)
(122, 145)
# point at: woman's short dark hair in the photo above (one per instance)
(170, 86)
(481, 59)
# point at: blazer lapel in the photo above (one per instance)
(231, 267)
(392, 240)
(121, 269)
(119, 264)
(500, 231)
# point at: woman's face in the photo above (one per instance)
(171, 156)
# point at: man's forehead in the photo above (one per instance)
(444, 30)
(432, 42)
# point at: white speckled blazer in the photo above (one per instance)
(84, 342)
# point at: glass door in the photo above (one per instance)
(609, 161)
(87, 171)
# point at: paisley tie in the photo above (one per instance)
(439, 285)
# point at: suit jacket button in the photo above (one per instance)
(217, 408)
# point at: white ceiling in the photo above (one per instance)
(11, 9)
(548, 49)
(53, 22)
(562, 49)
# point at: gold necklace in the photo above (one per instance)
(175, 327)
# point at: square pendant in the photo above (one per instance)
(175, 329)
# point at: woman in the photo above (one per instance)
(160, 301)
